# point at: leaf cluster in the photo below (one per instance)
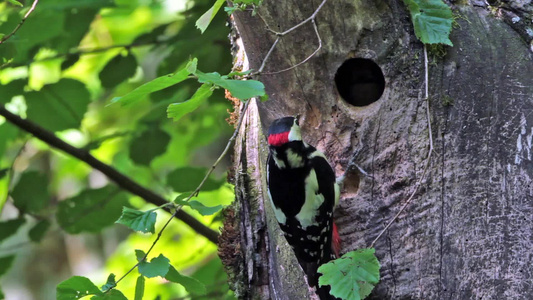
(68, 69)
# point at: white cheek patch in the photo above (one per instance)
(280, 216)
(309, 210)
(295, 160)
(295, 134)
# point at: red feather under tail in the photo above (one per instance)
(336, 243)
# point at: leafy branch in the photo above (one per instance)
(120, 179)
(193, 194)
(32, 8)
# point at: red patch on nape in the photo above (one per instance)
(336, 243)
(278, 139)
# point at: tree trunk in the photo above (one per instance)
(468, 232)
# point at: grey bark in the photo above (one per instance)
(468, 233)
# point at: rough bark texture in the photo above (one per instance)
(468, 234)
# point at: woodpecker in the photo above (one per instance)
(303, 194)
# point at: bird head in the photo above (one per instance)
(284, 130)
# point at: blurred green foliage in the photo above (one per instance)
(61, 70)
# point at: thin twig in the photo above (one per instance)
(267, 56)
(195, 193)
(223, 154)
(428, 158)
(305, 60)
(281, 34)
(32, 8)
(119, 178)
(311, 18)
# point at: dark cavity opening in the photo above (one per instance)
(360, 81)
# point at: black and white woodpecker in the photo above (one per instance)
(303, 193)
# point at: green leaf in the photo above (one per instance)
(13, 88)
(3, 172)
(91, 210)
(203, 22)
(37, 232)
(190, 284)
(242, 89)
(143, 221)
(353, 276)
(139, 254)
(70, 61)
(76, 287)
(30, 194)
(158, 266)
(118, 70)
(148, 145)
(199, 207)
(178, 110)
(155, 85)
(188, 178)
(8, 133)
(5, 264)
(58, 106)
(15, 2)
(10, 227)
(110, 283)
(111, 295)
(432, 20)
(139, 288)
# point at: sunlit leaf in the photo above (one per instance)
(432, 20)
(188, 178)
(155, 85)
(158, 266)
(111, 295)
(39, 230)
(139, 288)
(91, 210)
(76, 287)
(5, 263)
(242, 89)
(148, 145)
(178, 110)
(190, 284)
(353, 276)
(58, 106)
(142, 221)
(203, 22)
(117, 70)
(15, 2)
(110, 283)
(10, 227)
(30, 194)
(199, 207)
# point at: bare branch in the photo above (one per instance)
(281, 34)
(32, 8)
(305, 60)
